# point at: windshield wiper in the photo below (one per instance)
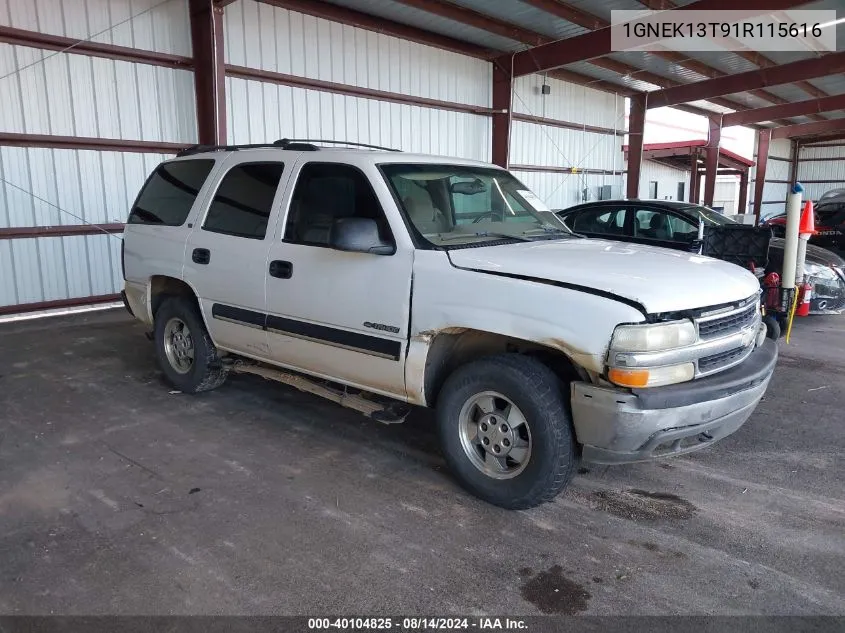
(456, 236)
(549, 229)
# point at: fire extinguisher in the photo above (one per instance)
(805, 295)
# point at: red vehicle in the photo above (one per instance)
(830, 223)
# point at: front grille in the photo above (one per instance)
(727, 325)
(715, 361)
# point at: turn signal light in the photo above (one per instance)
(628, 377)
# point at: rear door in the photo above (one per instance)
(226, 254)
(657, 226)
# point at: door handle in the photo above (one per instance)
(281, 269)
(201, 256)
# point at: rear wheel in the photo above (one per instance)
(773, 329)
(506, 432)
(184, 349)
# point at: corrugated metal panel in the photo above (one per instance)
(568, 102)
(405, 14)
(76, 95)
(547, 146)
(560, 191)
(831, 172)
(652, 63)
(667, 179)
(782, 148)
(149, 24)
(586, 68)
(289, 42)
(260, 111)
(50, 268)
(526, 16)
(822, 151)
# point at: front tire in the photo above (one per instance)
(506, 432)
(184, 349)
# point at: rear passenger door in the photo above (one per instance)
(656, 226)
(226, 254)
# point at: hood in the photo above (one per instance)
(659, 279)
(815, 254)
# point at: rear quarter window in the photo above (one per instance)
(170, 192)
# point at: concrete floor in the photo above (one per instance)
(117, 496)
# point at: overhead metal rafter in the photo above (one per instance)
(578, 16)
(817, 128)
(598, 43)
(798, 108)
(756, 58)
(831, 64)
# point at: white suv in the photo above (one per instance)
(381, 279)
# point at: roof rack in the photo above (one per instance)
(302, 145)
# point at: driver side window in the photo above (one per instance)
(326, 192)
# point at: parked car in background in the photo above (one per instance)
(829, 220)
(674, 225)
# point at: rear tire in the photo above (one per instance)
(506, 431)
(184, 349)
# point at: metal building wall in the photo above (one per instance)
(777, 178)
(62, 97)
(263, 37)
(667, 179)
(586, 136)
(821, 168)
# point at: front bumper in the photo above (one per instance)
(618, 426)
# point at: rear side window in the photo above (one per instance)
(169, 193)
(242, 204)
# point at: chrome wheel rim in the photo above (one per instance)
(495, 435)
(178, 345)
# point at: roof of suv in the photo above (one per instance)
(369, 153)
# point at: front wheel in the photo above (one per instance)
(505, 431)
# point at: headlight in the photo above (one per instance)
(653, 338)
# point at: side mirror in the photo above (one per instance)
(358, 235)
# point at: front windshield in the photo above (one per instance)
(711, 217)
(455, 205)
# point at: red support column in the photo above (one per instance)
(763, 137)
(743, 192)
(711, 160)
(502, 94)
(209, 71)
(793, 161)
(694, 178)
(636, 135)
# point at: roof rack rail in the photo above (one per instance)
(286, 142)
(302, 145)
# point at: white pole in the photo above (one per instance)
(790, 247)
(802, 257)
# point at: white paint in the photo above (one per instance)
(790, 246)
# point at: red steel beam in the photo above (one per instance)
(743, 192)
(24, 232)
(763, 138)
(822, 139)
(798, 108)
(502, 96)
(831, 64)
(711, 160)
(565, 124)
(816, 128)
(209, 73)
(33, 39)
(243, 72)
(11, 139)
(636, 136)
(694, 179)
(598, 43)
(362, 20)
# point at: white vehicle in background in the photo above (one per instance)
(381, 279)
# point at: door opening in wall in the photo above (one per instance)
(681, 190)
(652, 190)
